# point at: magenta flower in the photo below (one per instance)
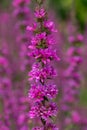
(39, 39)
(44, 55)
(41, 74)
(49, 25)
(38, 93)
(32, 28)
(40, 13)
(44, 112)
(51, 91)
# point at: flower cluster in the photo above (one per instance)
(40, 74)
(42, 92)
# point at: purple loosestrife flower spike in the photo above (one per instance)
(21, 13)
(42, 92)
(73, 77)
(5, 92)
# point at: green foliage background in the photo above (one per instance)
(64, 7)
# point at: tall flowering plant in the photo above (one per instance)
(73, 79)
(21, 13)
(5, 91)
(42, 91)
